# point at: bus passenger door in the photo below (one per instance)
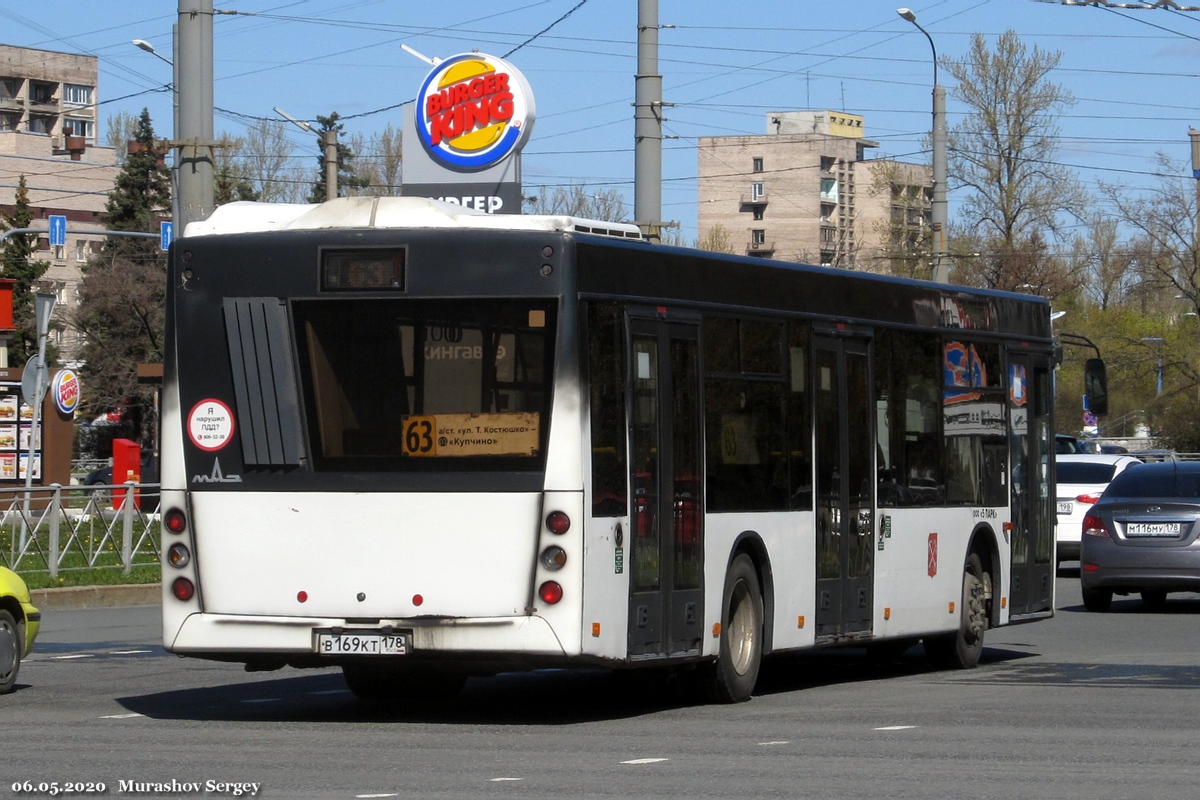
(667, 514)
(845, 483)
(1031, 446)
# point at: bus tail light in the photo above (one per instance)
(558, 523)
(550, 592)
(175, 520)
(1094, 526)
(178, 555)
(183, 589)
(553, 558)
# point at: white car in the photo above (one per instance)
(1081, 480)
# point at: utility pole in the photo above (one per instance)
(939, 217)
(193, 143)
(647, 130)
(1195, 136)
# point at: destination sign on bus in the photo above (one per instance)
(362, 270)
(471, 435)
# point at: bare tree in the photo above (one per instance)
(608, 205)
(1003, 152)
(122, 128)
(716, 239)
(1168, 244)
(379, 162)
(1108, 269)
(268, 165)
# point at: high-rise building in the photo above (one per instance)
(804, 191)
(48, 134)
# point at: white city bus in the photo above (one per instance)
(422, 443)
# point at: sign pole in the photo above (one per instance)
(43, 306)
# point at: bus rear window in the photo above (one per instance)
(426, 384)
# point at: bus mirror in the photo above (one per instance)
(1095, 386)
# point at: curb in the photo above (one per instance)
(144, 594)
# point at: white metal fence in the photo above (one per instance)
(57, 529)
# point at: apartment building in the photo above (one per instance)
(48, 134)
(804, 191)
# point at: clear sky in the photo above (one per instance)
(725, 66)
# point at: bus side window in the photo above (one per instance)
(908, 393)
(606, 368)
(744, 404)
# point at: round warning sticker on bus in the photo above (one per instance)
(210, 425)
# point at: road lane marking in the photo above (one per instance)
(502, 780)
(896, 728)
(769, 744)
(122, 716)
(75, 655)
(645, 761)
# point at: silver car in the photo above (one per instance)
(1143, 536)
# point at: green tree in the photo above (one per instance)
(348, 182)
(123, 293)
(20, 267)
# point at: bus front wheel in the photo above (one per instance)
(735, 672)
(962, 649)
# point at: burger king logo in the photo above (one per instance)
(66, 391)
(473, 111)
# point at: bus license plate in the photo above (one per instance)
(328, 643)
(1152, 529)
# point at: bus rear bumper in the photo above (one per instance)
(269, 642)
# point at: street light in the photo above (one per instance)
(142, 44)
(329, 142)
(941, 265)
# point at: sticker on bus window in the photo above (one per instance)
(443, 435)
(210, 425)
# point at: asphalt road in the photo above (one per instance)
(1082, 706)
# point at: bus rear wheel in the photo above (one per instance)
(404, 687)
(962, 649)
(735, 672)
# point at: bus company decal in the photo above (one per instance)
(210, 425)
(473, 111)
(932, 565)
(65, 390)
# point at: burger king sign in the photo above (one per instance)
(473, 111)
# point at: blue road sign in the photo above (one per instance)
(166, 231)
(58, 230)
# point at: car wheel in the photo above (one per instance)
(1154, 599)
(732, 678)
(962, 649)
(1097, 599)
(11, 645)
